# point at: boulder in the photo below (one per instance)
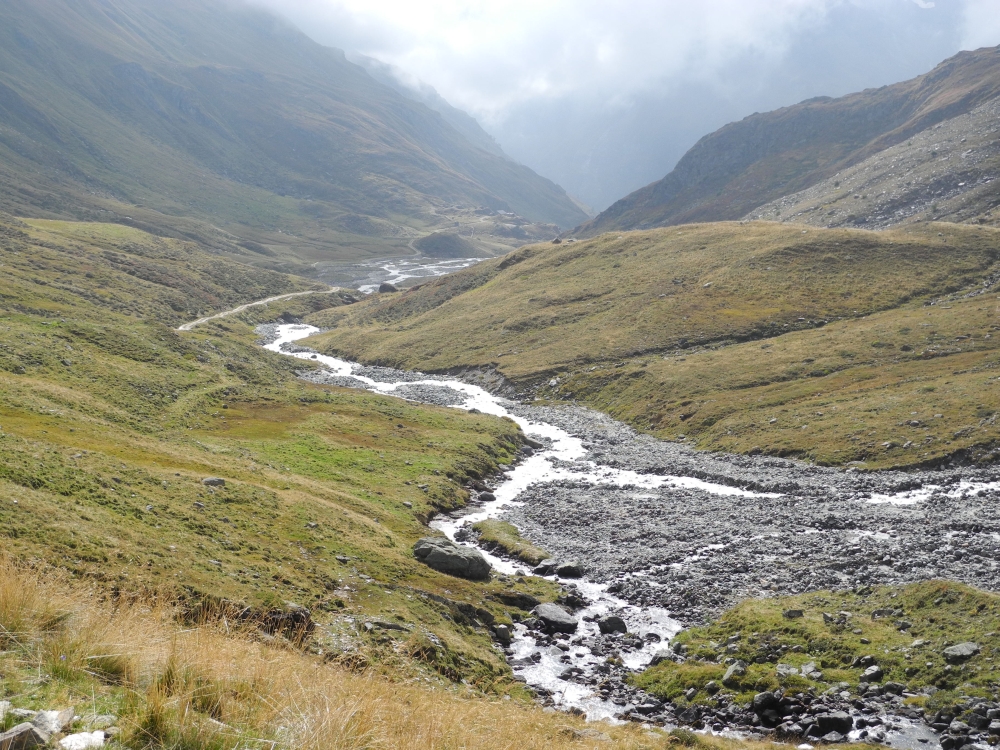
(385, 286)
(213, 482)
(835, 721)
(444, 555)
(960, 652)
(555, 618)
(612, 624)
(545, 567)
(53, 722)
(661, 656)
(792, 614)
(570, 569)
(22, 737)
(874, 673)
(736, 669)
(764, 701)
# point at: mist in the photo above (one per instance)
(604, 98)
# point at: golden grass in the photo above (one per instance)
(177, 686)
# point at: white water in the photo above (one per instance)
(541, 468)
(401, 270)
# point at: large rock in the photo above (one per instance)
(53, 722)
(960, 652)
(214, 482)
(385, 287)
(23, 737)
(736, 670)
(611, 624)
(555, 618)
(446, 556)
(570, 569)
(835, 721)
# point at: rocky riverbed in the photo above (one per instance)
(667, 535)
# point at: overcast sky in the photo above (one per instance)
(605, 96)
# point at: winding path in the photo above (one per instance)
(241, 308)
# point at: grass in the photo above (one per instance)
(910, 628)
(759, 337)
(110, 419)
(183, 686)
(504, 536)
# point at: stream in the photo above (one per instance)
(564, 496)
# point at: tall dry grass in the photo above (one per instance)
(201, 687)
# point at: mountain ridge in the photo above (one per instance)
(765, 156)
(224, 114)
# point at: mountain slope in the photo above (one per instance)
(224, 114)
(110, 418)
(714, 330)
(947, 173)
(766, 156)
(421, 92)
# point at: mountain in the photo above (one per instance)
(427, 95)
(763, 157)
(228, 117)
(946, 173)
(730, 335)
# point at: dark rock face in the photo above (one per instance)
(446, 556)
(555, 618)
(385, 287)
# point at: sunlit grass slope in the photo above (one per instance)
(173, 686)
(110, 419)
(713, 331)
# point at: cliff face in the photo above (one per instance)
(746, 164)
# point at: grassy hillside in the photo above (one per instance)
(238, 123)
(110, 419)
(734, 335)
(766, 156)
(946, 173)
(165, 685)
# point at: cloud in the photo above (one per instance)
(486, 55)
(981, 24)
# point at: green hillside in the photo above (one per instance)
(218, 122)
(740, 337)
(110, 419)
(766, 156)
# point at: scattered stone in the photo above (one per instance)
(445, 556)
(555, 618)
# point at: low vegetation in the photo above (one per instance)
(167, 685)
(820, 640)
(821, 344)
(505, 537)
(110, 419)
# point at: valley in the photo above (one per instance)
(321, 428)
